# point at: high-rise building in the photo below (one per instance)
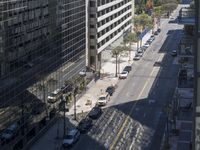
(42, 44)
(196, 133)
(107, 20)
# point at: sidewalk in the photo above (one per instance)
(49, 139)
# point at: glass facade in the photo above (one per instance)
(196, 133)
(42, 44)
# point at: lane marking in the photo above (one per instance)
(127, 117)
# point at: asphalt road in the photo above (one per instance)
(134, 118)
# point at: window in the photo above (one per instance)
(92, 4)
(92, 37)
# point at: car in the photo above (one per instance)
(146, 45)
(159, 30)
(110, 90)
(82, 72)
(54, 96)
(140, 50)
(139, 54)
(156, 33)
(149, 41)
(9, 133)
(152, 38)
(84, 125)
(127, 68)
(102, 100)
(143, 48)
(123, 75)
(136, 57)
(72, 137)
(95, 113)
(174, 53)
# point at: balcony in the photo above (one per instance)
(186, 16)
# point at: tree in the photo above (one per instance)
(142, 21)
(131, 37)
(158, 11)
(115, 53)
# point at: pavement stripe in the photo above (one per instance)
(127, 117)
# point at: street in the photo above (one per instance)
(135, 117)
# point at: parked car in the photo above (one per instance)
(110, 90)
(102, 100)
(174, 53)
(156, 33)
(54, 96)
(146, 45)
(127, 68)
(143, 48)
(123, 75)
(136, 57)
(140, 50)
(71, 137)
(9, 133)
(95, 113)
(139, 54)
(82, 72)
(84, 125)
(159, 30)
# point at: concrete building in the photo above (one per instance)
(107, 20)
(42, 44)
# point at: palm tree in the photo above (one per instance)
(131, 37)
(116, 53)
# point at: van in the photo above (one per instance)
(54, 96)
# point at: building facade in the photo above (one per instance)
(107, 20)
(42, 44)
(196, 133)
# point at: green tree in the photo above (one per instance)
(116, 53)
(128, 39)
(142, 21)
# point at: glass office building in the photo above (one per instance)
(42, 44)
(196, 135)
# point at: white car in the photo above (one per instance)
(71, 137)
(146, 45)
(102, 100)
(136, 57)
(123, 75)
(82, 72)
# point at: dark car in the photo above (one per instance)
(110, 90)
(159, 30)
(174, 53)
(95, 113)
(84, 125)
(127, 68)
(156, 33)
